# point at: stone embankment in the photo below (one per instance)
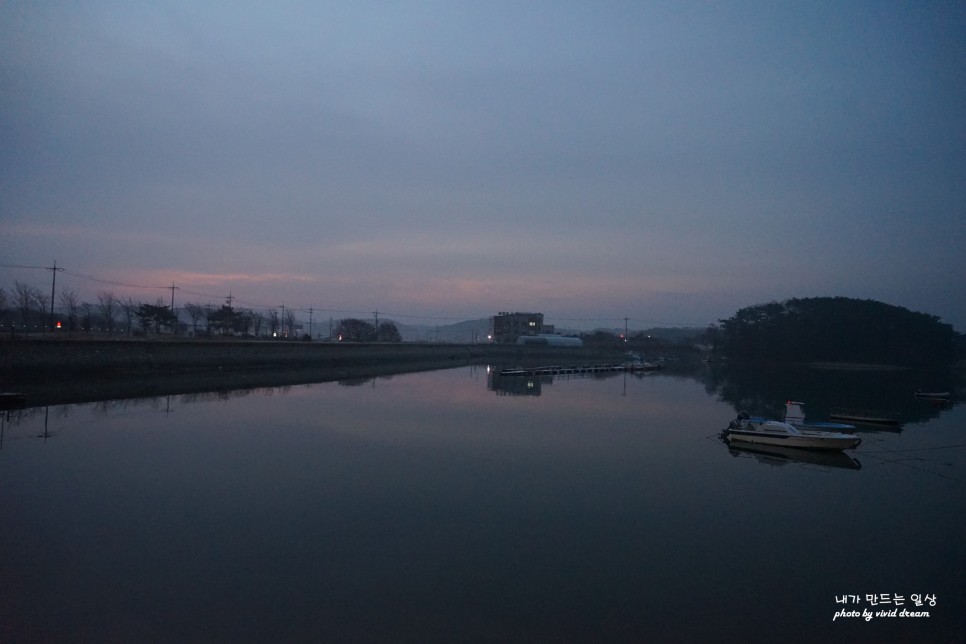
(53, 358)
(54, 371)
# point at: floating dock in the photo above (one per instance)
(579, 369)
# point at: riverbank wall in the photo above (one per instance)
(55, 358)
(54, 371)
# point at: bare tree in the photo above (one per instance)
(258, 320)
(86, 317)
(206, 317)
(290, 322)
(107, 303)
(196, 312)
(273, 320)
(25, 295)
(42, 301)
(71, 304)
(130, 308)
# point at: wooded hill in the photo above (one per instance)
(835, 329)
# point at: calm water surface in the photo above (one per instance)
(431, 507)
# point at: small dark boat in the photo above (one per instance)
(865, 416)
(933, 395)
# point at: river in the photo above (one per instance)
(455, 505)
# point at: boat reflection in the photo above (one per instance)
(777, 456)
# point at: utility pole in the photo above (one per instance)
(229, 299)
(53, 282)
(625, 330)
(174, 317)
(310, 322)
(281, 322)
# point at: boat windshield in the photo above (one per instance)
(776, 426)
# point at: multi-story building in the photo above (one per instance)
(507, 327)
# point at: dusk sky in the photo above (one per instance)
(669, 162)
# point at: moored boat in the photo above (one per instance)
(638, 363)
(748, 429)
(866, 416)
(933, 395)
(641, 366)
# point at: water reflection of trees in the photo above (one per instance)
(763, 388)
(12, 419)
(103, 408)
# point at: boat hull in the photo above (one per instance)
(802, 440)
(842, 428)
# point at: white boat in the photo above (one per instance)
(795, 415)
(640, 364)
(748, 429)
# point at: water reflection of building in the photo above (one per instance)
(531, 385)
(517, 385)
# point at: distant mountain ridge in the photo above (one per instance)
(471, 331)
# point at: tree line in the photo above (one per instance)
(26, 309)
(835, 329)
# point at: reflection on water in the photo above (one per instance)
(423, 507)
(532, 385)
(762, 389)
(777, 455)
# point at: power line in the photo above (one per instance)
(309, 309)
(43, 268)
(111, 282)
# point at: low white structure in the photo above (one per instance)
(550, 340)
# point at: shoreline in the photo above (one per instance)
(55, 371)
